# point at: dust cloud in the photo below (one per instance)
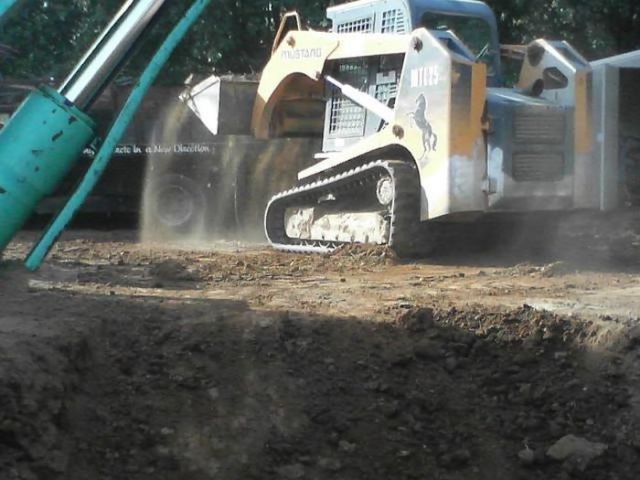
(158, 167)
(193, 201)
(216, 197)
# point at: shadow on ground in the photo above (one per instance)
(160, 388)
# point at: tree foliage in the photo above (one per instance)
(597, 28)
(49, 36)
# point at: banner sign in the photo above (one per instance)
(161, 149)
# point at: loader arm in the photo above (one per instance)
(292, 85)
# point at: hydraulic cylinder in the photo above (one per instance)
(48, 133)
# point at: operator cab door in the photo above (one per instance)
(617, 131)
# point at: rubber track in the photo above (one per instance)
(405, 231)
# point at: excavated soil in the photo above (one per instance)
(128, 361)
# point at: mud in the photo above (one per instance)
(128, 361)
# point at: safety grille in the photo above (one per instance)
(539, 144)
(347, 118)
(538, 128)
(385, 91)
(361, 25)
(393, 21)
(538, 167)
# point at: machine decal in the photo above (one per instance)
(425, 76)
(300, 53)
(419, 116)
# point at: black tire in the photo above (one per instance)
(409, 237)
(174, 206)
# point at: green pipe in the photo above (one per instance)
(101, 161)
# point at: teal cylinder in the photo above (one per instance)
(38, 146)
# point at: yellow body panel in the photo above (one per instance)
(295, 69)
(583, 124)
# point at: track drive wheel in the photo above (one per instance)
(407, 235)
(389, 188)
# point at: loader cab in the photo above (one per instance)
(473, 22)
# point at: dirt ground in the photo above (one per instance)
(127, 361)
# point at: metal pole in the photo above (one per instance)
(41, 249)
(94, 70)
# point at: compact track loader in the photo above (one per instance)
(420, 135)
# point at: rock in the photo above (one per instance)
(399, 358)
(346, 447)
(560, 356)
(633, 337)
(428, 349)
(480, 347)
(576, 449)
(539, 456)
(416, 319)
(626, 454)
(461, 456)
(25, 473)
(331, 464)
(292, 471)
(168, 464)
(554, 428)
(622, 399)
(57, 461)
(525, 357)
(172, 270)
(456, 459)
(390, 410)
(54, 273)
(554, 269)
(463, 337)
(163, 451)
(265, 321)
(525, 391)
(526, 456)
(450, 364)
